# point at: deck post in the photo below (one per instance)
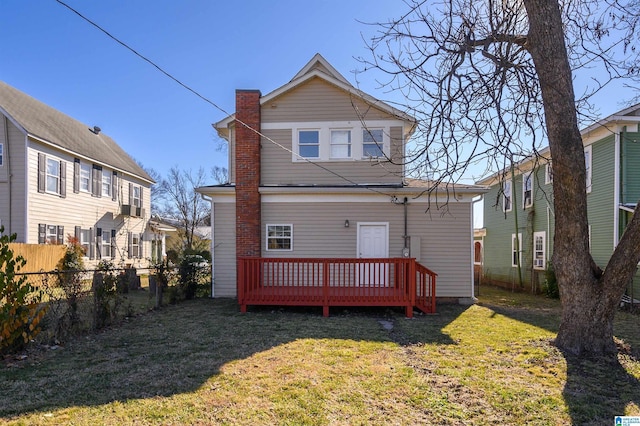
(325, 289)
(412, 286)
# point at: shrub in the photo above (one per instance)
(70, 271)
(105, 294)
(550, 287)
(20, 308)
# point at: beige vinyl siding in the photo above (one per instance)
(317, 100)
(82, 209)
(278, 167)
(318, 231)
(14, 220)
(224, 249)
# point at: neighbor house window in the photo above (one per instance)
(137, 196)
(506, 196)
(105, 244)
(372, 142)
(588, 162)
(53, 176)
(135, 249)
(516, 249)
(527, 190)
(539, 250)
(85, 177)
(280, 237)
(106, 184)
(477, 252)
(341, 144)
(309, 143)
(548, 175)
(85, 241)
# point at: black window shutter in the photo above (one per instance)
(42, 233)
(76, 232)
(130, 243)
(114, 186)
(42, 172)
(76, 175)
(96, 181)
(130, 194)
(63, 179)
(92, 251)
(60, 234)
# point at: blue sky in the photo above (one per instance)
(214, 47)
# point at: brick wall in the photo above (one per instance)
(248, 223)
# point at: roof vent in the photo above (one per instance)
(96, 129)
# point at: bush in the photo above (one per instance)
(70, 271)
(20, 308)
(105, 294)
(550, 287)
(193, 270)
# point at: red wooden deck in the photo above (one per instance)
(336, 282)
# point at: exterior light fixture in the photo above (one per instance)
(346, 223)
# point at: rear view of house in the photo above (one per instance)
(317, 180)
(62, 178)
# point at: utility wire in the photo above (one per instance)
(210, 102)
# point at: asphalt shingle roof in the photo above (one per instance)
(46, 123)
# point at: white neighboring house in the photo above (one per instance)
(60, 178)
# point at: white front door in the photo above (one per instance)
(373, 242)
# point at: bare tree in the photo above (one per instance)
(184, 204)
(491, 81)
(220, 174)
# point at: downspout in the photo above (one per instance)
(514, 208)
(212, 245)
(619, 182)
(8, 157)
(406, 235)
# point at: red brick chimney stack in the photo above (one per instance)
(248, 212)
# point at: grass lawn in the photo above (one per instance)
(202, 362)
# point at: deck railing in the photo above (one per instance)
(336, 282)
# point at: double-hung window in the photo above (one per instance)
(527, 190)
(309, 143)
(279, 237)
(506, 196)
(340, 143)
(548, 175)
(135, 249)
(372, 143)
(106, 184)
(53, 176)
(136, 197)
(539, 250)
(516, 250)
(52, 235)
(85, 177)
(85, 241)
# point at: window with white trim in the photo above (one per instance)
(516, 249)
(340, 143)
(506, 196)
(106, 184)
(105, 243)
(539, 244)
(309, 143)
(372, 143)
(588, 163)
(527, 190)
(85, 177)
(53, 176)
(85, 241)
(548, 173)
(279, 237)
(136, 196)
(134, 245)
(52, 235)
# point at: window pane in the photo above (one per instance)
(309, 151)
(309, 136)
(340, 143)
(372, 135)
(372, 150)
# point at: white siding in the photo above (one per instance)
(224, 250)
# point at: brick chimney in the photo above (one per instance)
(248, 212)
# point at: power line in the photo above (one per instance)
(207, 100)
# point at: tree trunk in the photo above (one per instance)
(589, 297)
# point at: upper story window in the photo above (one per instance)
(85, 177)
(1, 154)
(372, 142)
(340, 143)
(136, 196)
(527, 190)
(309, 143)
(548, 174)
(588, 162)
(106, 184)
(506, 196)
(51, 175)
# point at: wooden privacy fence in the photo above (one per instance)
(336, 282)
(39, 257)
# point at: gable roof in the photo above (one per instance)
(627, 116)
(318, 67)
(55, 128)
